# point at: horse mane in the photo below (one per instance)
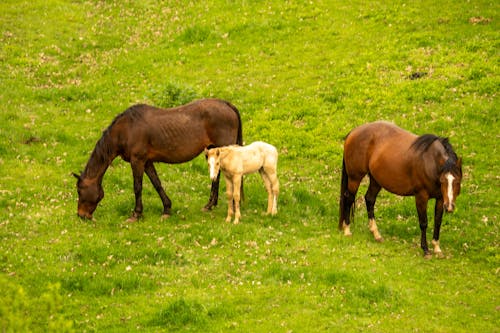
(104, 147)
(423, 143)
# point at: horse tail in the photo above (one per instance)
(343, 189)
(239, 137)
(239, 141)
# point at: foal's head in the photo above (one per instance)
(90, 193)
(213, 160)
(451, 177)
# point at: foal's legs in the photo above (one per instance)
(230, 200)
(370, 198)
(236, 197)
(267, 184)
(153, 176)
(273, 188)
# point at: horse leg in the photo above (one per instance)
(155, 180)
(275, 188)
(438, 216)
(138, 172)
(267, 184)
(349, 196)
(370, 198)
(236, 197)
(230, 201)
(421, 201)
(214, 194)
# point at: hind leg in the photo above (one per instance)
(370, 198)
(275, 188)
(237, 198)
(349, 196)
(271, 209)
(230, 200)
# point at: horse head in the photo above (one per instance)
(450, 180)
(90, 193)
(213, 160)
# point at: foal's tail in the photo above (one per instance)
(343, 210)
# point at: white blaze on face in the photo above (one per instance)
(450, 179)
(211, 165)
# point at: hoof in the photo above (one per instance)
(439, 254)
(165, 216)
(379, 240)
(428, 256)
(132, 219)
(208, 207)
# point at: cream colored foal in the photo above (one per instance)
(236, 161)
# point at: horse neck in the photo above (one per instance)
(100, 159)
(439, 154)
(225, 158)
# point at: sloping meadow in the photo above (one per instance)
(302, 74)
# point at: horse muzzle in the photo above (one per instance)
(84, 215)
(449, 207)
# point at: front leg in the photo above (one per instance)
(155, 180)
(138, 172)
(438, 217)
(421, 201)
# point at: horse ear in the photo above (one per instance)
(459, 164)
(77, 176)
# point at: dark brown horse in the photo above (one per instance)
(402, 163)
(145, 134)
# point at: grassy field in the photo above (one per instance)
(302, 74)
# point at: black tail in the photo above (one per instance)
(239, 141)
(239, 137)
(345, 208)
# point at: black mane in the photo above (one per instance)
(423, 142)
(103, 149)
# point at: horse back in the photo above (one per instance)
(250, 158)
(177, 134)
(383, 150)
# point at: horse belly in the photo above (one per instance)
(393, 180)
(392, 175)
(178, 146)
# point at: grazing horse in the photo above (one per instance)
(402, 163)
(236, 161)
(144, 134)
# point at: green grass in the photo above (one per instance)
(302, 75)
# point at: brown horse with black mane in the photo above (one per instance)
(145, 134)
(405, 164)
